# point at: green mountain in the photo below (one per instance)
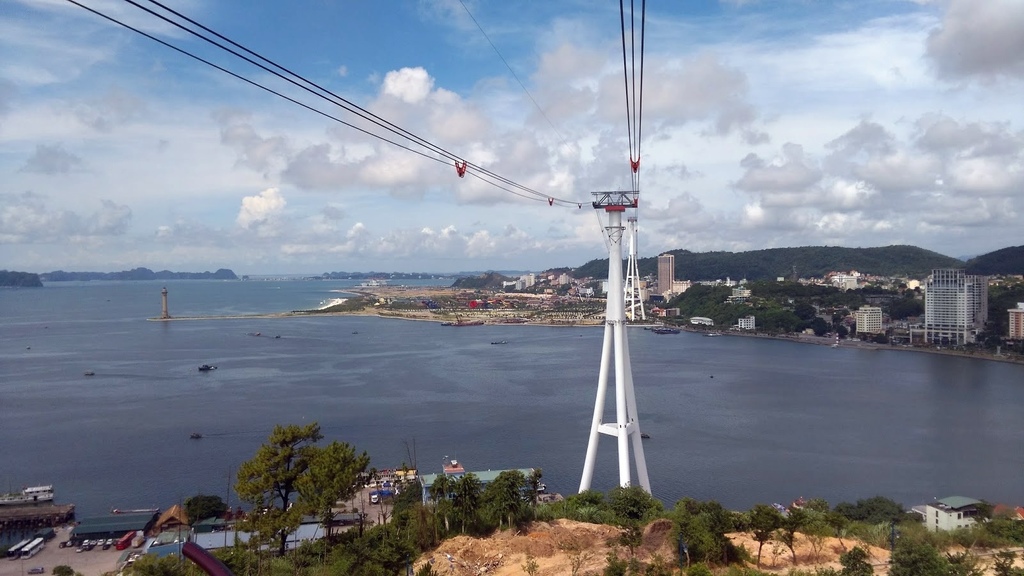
(19, 279)
(806, 261)
(1006, 261)
(488, 281)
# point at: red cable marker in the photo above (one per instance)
(460, 168)
(635, 164)
(551, 201)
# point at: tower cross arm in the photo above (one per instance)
(615, 198)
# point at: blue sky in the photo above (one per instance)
(766, 124)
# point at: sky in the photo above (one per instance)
(764, 124)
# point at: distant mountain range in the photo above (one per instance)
(809, 261)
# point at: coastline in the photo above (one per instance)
(490, 319)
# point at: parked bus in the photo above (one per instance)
(14, 552)
(32, 548)
(125, 540)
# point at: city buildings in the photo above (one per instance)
(955, 307)
(1016, 324)
(666, 272)
(745, 323)
(869, 320)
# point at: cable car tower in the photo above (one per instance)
(634, 296)
(615, 357)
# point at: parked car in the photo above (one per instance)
(36, 570)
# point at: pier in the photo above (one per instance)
(22, 518)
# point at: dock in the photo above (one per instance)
(20, 518)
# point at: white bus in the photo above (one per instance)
(32, 548)
(14, 552)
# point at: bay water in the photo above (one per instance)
(739, 420)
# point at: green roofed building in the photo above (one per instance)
(950, 513)
(113, 526)
(454, 470)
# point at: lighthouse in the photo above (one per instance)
(164, 315)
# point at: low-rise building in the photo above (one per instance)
(745, 323)
(950, 513)
(455, 471)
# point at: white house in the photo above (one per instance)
(950, 513)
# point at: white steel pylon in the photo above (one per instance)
(634, 297)
(615, 351)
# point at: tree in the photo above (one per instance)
(534, 482)
(63, 570)
(467, 498)
(817, 531)
(439, 492)
(202, 506)
(269, 481)
(633, 503)
(530, 566)
(764, 520)
(855, 563)
(504, 496)
(333, 476)
(912, 558)
(838, 523)
(875, 510)
(791, 523)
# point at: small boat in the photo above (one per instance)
(665, 330)
(500, 342)
(645, 435)
(195, 436)
(90, 373)
(713, 334)
(206, 367)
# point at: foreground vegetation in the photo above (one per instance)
(293, 475)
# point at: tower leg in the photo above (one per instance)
(602, 389)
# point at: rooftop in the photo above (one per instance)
(956, 502)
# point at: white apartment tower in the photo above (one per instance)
(666, 272)
(955, 306)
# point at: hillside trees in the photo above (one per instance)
(290, 476)
(202, 506)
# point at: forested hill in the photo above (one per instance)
(808, 261)
(488, 281)
(1005, 261)
(138, 274)
(19, 279)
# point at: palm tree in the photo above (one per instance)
(439, 491)
(467, 498)
(534, 481)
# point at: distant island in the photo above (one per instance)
(20, 279)
(137, 274)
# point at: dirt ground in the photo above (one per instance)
(554, 546)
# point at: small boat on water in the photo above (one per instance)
(29, 495)
(195, 436)
(645, 435)
(665, 330)
(90, 373)
(206, 367)
(500, 342)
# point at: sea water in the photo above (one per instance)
(739, 420)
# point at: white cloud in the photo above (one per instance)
(52, 160)
(259, 212)
(410, 85)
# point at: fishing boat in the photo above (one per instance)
(195, 436)
(28, 495)
(206, 367)
(500, 342)
(665, 330)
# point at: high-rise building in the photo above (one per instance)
(955, 306)
(869, 320)
(666, 272)
(1016, 331)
